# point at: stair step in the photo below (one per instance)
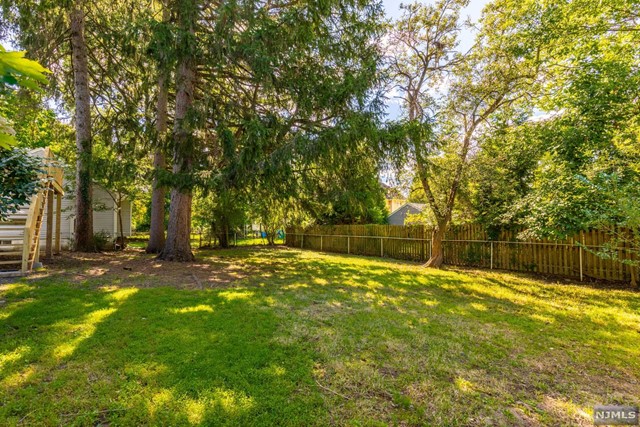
(11, 273)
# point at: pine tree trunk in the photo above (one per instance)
(156, 231)
(178, 244)
(437, 253)
(84, 209)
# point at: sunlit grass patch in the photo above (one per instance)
(312, 339)
(194, 309)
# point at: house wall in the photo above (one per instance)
(393, 204)
(126, 219)
(104, 217)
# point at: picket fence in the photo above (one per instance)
(470, 246)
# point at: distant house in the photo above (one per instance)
(393, 197)
(394, 204)
(399, 216)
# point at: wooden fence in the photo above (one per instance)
(469, 245)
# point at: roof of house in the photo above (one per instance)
(417, 206)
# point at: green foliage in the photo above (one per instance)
(102, 241)
(344, 188)
(219, 213)
(284, 85)
(16, 71)
(18, 179)
(274, 212)
(502, 173)
(35, 125)
(588, 150)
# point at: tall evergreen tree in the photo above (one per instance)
(276, 82)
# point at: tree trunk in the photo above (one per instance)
(223, 238)
(437, 253)
(84, 209)
(178, 244)
(156, 230)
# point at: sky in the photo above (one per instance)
(473, 12)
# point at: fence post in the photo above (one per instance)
(348, 245)
(321, 243)
(235, 237)
(581, 258)
(302, 241)
(381, 248)
(491, 255)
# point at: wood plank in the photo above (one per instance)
(58, 221)
(50, 213)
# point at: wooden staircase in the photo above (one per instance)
(20, 234)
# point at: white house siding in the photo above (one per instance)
(104, 217)
(126, 218)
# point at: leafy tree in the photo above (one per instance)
(443, 130)
(502, 174)
(178, 244)
(588, 174)
(344, 188)
(274, 213)
(118, 173)
(16, 71)
(220, 213)
(19, 180)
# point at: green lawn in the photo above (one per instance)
(285, 337)
(139, 240)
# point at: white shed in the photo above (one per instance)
(105, 215)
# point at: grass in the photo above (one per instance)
(251, 336)
(139, 241)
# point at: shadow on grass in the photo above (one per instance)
(153, 356)
(315, 339)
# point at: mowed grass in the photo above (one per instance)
(308, 339)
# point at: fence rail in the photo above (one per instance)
(470, 246)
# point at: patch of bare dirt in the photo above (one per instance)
(135, 268)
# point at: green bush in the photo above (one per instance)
(102, 241)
